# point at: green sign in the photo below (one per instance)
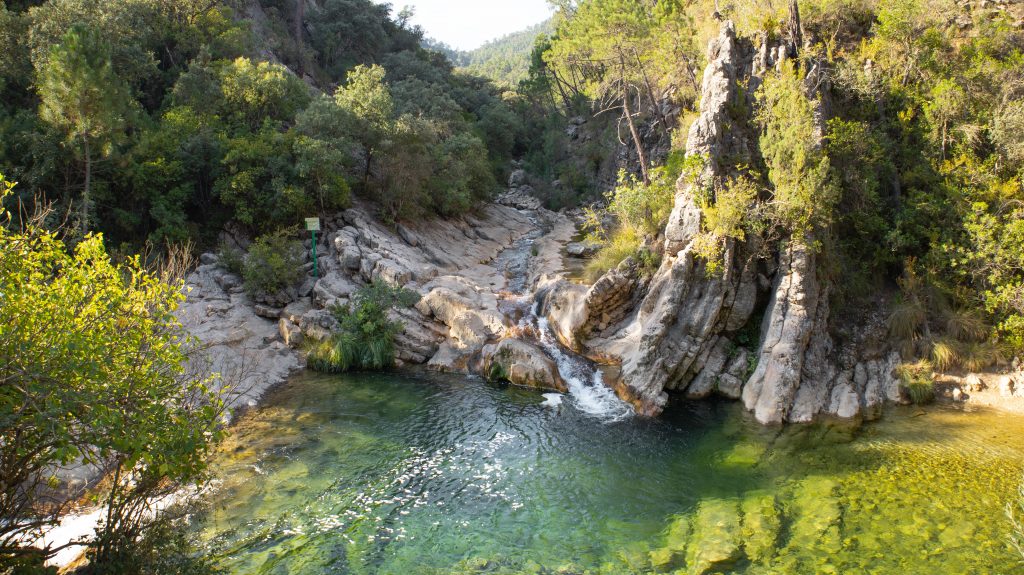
(313, 225)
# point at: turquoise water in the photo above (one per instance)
(395, 474)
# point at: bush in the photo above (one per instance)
(623, 244)
(366, 338)
(274, 263)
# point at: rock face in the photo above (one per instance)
(690, 331)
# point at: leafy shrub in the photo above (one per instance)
(366, 338)
(274, 263)
(918, 381)
(725, 218)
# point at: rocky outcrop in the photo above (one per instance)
(691, 331)
(244, 350)
(460, 266)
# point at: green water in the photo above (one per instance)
(400, 475)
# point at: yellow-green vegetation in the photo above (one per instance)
(94, 369)
(640, 211)
(724, 218)
(803, 191)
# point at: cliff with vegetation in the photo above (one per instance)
(848, 166)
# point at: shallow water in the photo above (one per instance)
(394, 474)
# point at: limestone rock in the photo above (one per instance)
(331, 288)
(582, 249)
(523, 364)
(795, 309)
(290, 333)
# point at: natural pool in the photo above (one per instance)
(405, 475)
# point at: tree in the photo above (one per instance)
(804, 191)
(82, 95)
(367, 98)
(94, 368)
(605, 43)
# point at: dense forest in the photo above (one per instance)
(163, 121)
(505, 61)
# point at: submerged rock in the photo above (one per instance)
(761, 525)
(717, 537)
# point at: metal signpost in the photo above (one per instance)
(313, 225)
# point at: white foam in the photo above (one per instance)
(586, 385)
(552, 399)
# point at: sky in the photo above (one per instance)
(466, 24)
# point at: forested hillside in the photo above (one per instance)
(163, 121)
(916, 181)
(506, 61)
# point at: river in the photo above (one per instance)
(427, 474)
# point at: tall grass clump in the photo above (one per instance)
(365, 340)
(918, 381)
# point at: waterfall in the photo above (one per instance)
(585, 382)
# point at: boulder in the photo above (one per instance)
(332, 287)
(523, 364)
(582, 249)
(350, 257)
(290, 333)
(516, 178)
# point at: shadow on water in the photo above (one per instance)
(382, 474)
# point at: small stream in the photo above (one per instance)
(587, 389)
(429, 474)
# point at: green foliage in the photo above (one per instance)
(274, 263)
(365, 339)
(166, 117)
(82, 96)
(94, 369)
(725, 219)
(231, 259)
(624, 243)
(804, 193)
(506, 61)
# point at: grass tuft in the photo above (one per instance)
(918, 381)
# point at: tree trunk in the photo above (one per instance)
(796, 38)
(88, 185)
(650, 93)
(300, 15)
(632, 130)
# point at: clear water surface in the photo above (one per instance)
(407, 475)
